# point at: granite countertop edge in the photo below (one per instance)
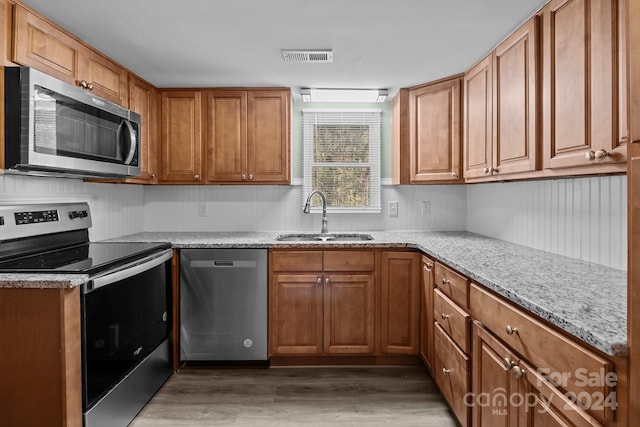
(527, 277)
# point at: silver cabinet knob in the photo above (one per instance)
(454, 175)
(90, 86)
(444, 316)
(486, 170)
(327, 281)
(428, 266)
(511, 330)
(508, 363)
(445, 281)
(196, 176)
(600, 154)
(517, 372)
(446, 371)
(493, 170)
(319, 280)
(590, 155)
(250, 177)
(243, 177)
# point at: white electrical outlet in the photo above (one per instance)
(202, 209)
(426, 208)
(393, 208)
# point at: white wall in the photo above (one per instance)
(584, 218)
(279, 208)
(116, 209)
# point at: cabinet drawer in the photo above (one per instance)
(452, 284)
(451, 372)
(454, 320)
(572, 367)
(349, 260)
(296, 261)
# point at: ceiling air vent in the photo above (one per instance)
(322, 55)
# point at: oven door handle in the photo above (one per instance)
(130, 269)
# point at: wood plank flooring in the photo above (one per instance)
(298, 396)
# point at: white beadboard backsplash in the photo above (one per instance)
(116, 209)
(584, 218)
(279, 208)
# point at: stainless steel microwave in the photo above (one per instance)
(54, 128)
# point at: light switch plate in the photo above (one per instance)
(393, 208)
(202, 209)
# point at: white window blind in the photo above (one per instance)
(341, 157)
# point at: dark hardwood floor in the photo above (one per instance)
(298, 396)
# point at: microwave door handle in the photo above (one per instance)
(131, 139)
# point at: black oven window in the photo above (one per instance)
(123, 323)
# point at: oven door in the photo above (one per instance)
(125, 315)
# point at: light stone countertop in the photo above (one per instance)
(587, 300)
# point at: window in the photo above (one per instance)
(342, 158)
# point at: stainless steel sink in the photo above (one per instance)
(317, 237)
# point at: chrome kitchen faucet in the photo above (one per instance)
(307, 208)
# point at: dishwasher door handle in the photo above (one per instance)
(223, 264)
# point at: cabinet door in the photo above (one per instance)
(435, 132)
(477, 139)
(41, 363)
(400, 303)
(105, 78)
(426, 312)
(268, 159)
(515, 123)
(226, 136)
(295, 314)
(143, 99)
(547, 406)
(493, 382)
(181, 137)
(451, 373)
(39, 44)
(581, 108)
(348, 313)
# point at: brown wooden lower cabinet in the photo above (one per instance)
(451, 373)
(322, 312)
(400, 303)
(40, 366)
(508, 391)
(426, 313)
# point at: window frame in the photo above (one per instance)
(374, 158)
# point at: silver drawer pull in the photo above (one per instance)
(511, 330)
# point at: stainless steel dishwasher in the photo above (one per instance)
(223, 304)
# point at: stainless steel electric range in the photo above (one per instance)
(125, 304)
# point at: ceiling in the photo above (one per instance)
(222, 43)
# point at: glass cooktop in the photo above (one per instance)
(85, 258)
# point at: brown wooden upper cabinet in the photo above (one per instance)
(248, 136)
(40, 44)
(143, 99)
(434, 132)
(426, 133)
(181, 150)
(584, 93)
(500, 108)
